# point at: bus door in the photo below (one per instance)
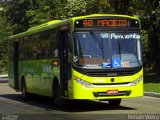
(64, 63)
(16, 54)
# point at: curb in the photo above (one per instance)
(3, 81)
(152, 94)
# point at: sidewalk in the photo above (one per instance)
(152, 94)
(5, 89)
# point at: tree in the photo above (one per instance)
(15, 13)
(74, 8)
(151, 23)
(41, 11)
(5, 31)
(99, 6)
(23, 14)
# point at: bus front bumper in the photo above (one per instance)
(105, 92)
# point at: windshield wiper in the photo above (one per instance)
(99, 44)
(77, 46)
(96, 40)
(119, 48)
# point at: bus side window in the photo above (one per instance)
(26, 47)
(56, 53)
(21, 56)
(53, 46)
(34, 47)
(38, 46)
(43, 40)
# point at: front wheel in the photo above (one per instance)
(114, 102)
(57, 100)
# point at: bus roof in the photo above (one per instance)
(101, 15)
(42, 27)
(58, 23)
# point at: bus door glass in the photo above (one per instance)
(64, 62)
(16, 54)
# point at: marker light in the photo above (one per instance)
(82, 82)
(136, 81)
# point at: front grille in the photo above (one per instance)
(104, 94)
(109, 73)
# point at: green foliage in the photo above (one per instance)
(15, 15)
(41, 11)
(145, 41)
(99, 6)
(151, 11)
(75, 8)
(128, 7)
(5, 29)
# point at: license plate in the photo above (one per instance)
(112, 92)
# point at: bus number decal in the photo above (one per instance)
(88, 23)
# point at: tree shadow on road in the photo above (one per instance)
(84, 106)
(73, 106)
(151, 77)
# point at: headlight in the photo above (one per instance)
(136, 81)
(82, 82)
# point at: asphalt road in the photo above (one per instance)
(41, 108)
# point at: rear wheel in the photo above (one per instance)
(114, 102)
(24, 90)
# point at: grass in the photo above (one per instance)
(152, 87)
(152, 82)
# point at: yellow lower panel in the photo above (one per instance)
(81, 92)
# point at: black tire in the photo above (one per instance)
(56, 94)
(114, 102)
(24, 93)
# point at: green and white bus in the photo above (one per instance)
(93, 57)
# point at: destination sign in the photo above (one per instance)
(90, 23)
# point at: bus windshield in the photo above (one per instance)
(107, 50)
